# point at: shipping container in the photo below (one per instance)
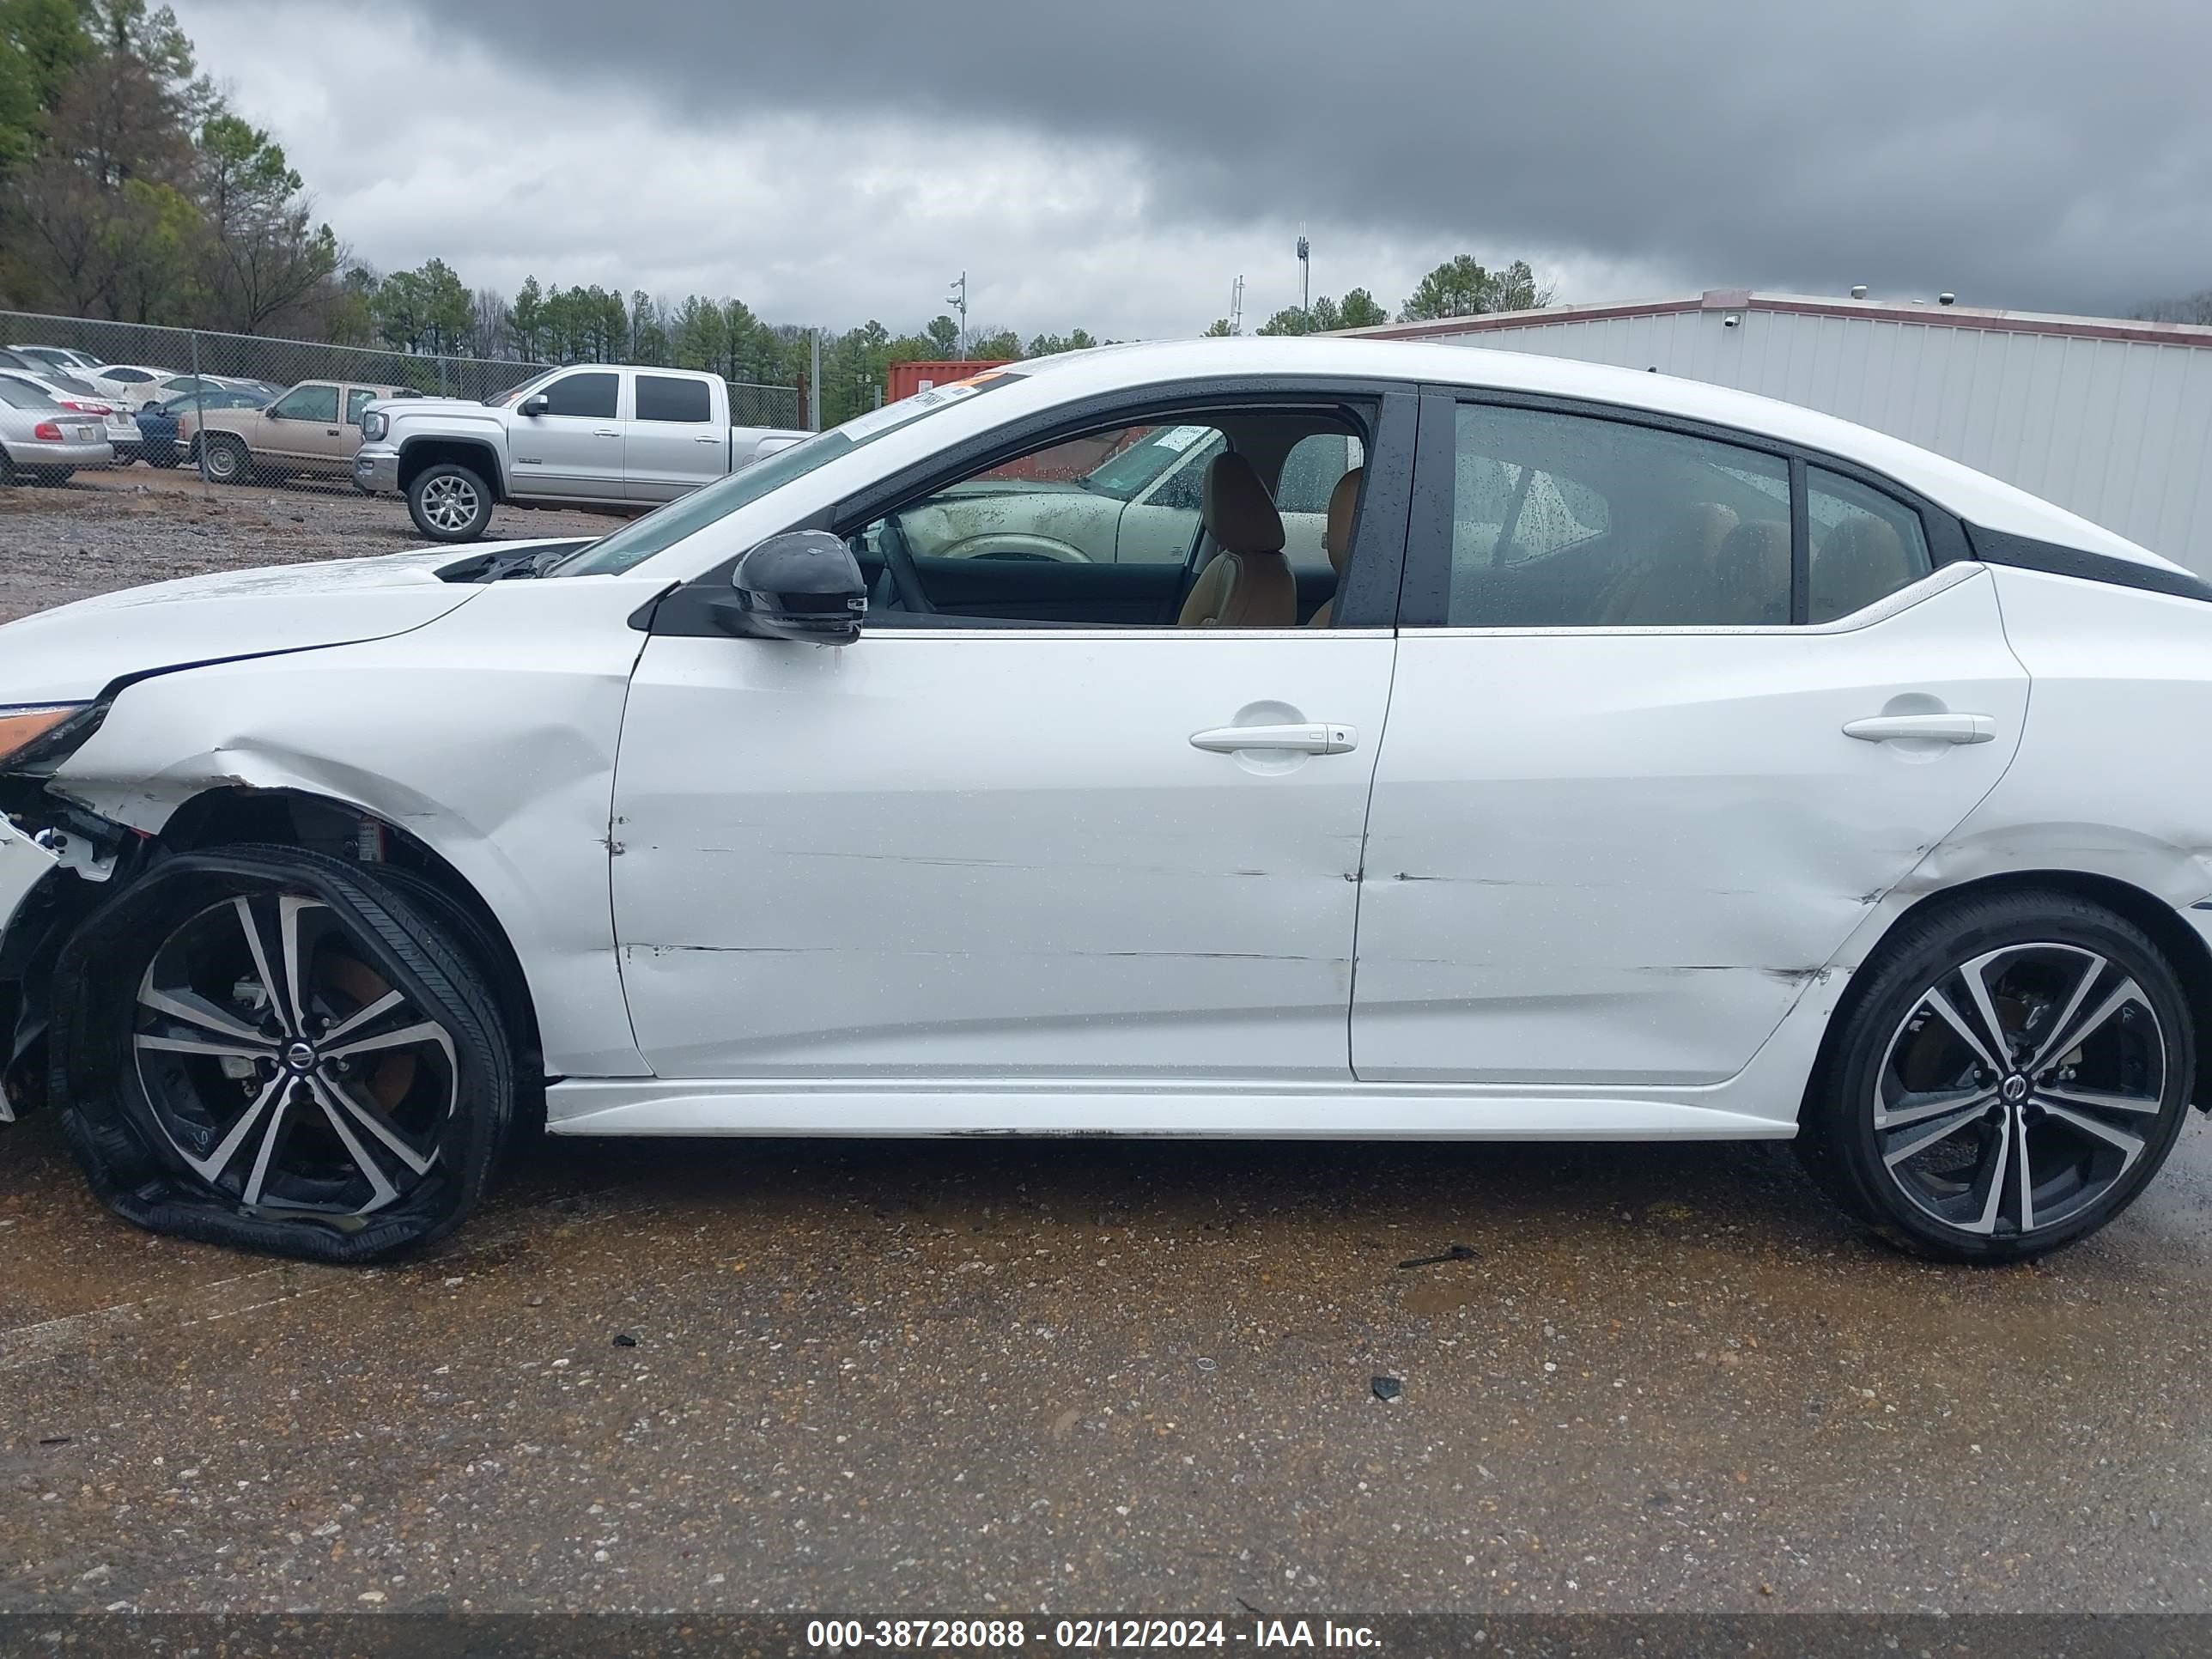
(904, 379)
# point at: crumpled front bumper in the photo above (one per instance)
(23, 864)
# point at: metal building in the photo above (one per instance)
(2109, 418)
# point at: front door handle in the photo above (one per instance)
(1319, 738)
(605, 432)
(1923, 729)
(706, 438)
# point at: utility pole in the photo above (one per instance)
(1237, 305)
(958, 300)
(1305, 272)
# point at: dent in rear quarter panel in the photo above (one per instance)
(2111, 779)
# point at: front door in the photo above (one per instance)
(297, 426)
(1023, 855)
(575, 448)
(1627, 808)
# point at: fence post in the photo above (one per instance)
(442, 377)
(814, 381)
(199, 408)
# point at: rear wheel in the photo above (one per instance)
(2017, 1070)
(227, 461)
(274, 1049)
(449, 502)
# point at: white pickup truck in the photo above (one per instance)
(592, 434)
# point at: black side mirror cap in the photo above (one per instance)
(801, 585)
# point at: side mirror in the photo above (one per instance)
(802, 585)
(537, 405)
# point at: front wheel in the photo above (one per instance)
(271, 1049)
(449, 502)
(227, 461)
(2014, 1074)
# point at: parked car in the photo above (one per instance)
(313, 430)
(1643, 760)
(167, 432)
(63, 357)
(79, 398)
(41, 442)
(129, 384)
(598, 434)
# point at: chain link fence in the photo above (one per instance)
(163, 385)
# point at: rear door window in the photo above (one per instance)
(665, 397)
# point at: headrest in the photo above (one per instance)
(1343, 501)
(1239, 514)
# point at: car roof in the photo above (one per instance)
(1974, 496)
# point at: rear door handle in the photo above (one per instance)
(1923, 728)
(605, 432)
(1320, 738)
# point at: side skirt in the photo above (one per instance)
(1211, 1108)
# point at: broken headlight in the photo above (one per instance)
(37, 737)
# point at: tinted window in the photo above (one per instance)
(1567, 521)
(308, 403)
(1865, 546)
(358, 399)
(589, 395)
(129, 376)
(662, 398)
(16, 395)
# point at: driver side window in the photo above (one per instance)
(1100, 530)
(308, 403)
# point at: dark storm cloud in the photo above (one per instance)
(2020, 152)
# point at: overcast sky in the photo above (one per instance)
(1117, 164)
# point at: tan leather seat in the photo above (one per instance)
(1670, 587)
(1858, 562)
(1247, 583)
(1751, 576)
(1336, 538)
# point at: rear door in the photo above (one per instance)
(671, 443)
(575, 448)
(1672, 710)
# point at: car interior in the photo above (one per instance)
(1238, 568)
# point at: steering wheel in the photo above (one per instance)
(898, 565)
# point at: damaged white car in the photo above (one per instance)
(1633, 759)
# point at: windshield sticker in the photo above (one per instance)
(1180, 437)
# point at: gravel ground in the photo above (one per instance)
(109, 529)
(1089, 1376)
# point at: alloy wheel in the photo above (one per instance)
(2020, 1087)
(450, 503)
(283, 1068)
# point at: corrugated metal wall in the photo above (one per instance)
(2119, 431)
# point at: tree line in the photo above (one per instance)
(131, 190)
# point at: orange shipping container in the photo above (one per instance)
(904, 379)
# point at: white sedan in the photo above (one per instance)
(1638, 760)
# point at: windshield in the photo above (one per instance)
(661, 529)
(501, 399)
(1125, 475)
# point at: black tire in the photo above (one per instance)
(449, 502)
(1937, 1175)
(264, 1141)
(227, 461)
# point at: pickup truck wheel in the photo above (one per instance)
(227, 461)
(271, 1049)
(449, 502)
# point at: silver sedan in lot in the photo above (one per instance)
(43, 442)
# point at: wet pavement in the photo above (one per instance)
(1089, 1376)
